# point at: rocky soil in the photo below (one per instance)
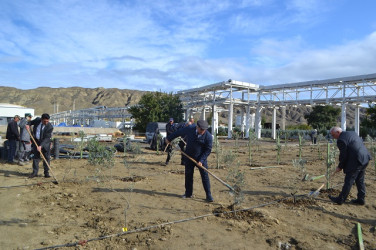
(91, 206)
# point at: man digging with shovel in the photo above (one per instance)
(42, 133)
(199, 145)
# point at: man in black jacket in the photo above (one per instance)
(170, 128)
(199, 146)
(42, 134)
(13, 136)
(353, 160)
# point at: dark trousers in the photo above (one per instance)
(24, 150)
(11, 149)
(37, 158)
(169, 153)
(182, 146)
(357, 177)
(189, 171)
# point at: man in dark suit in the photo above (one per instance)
(199, 145)
(13, 136)
(42, 133)
(353, 160)
(170, 128)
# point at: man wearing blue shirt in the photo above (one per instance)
(199, 145)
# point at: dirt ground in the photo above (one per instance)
(144, 196)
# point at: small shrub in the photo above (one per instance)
(300, 165)
(229, 158)
(236, 179)
(100, 155)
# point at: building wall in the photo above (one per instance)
(8, 111)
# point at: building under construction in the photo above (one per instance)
(250, 98)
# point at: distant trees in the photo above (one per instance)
(156, 107)
(323, 117)
(368, 124)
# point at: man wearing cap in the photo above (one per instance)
(13, 136)
(199, 145)
(42, 134)
(25, 142)
(170, 129)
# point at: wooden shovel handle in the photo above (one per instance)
(45, 160)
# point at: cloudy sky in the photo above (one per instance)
(171, 45)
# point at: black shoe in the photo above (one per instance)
(47, 176)
(336, 200)
(358, 202)
(32, 176)
(184, 196)
(209, 199)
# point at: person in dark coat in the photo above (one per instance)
(170, 129)
(353, 160)
(182, 142)
(13, 136)
(25, 141)
(42, 134)
(199, 145)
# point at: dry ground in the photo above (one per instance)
(90, 202)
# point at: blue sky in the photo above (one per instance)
(175, 45)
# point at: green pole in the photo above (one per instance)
(300, 146)
(250, 148)
(360, 237)
(217, 149)
(278, 149)
(328, 166)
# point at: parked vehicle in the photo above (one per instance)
(152, 127)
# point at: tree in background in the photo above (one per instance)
(323, 117)
(156, 107)
(368, 124)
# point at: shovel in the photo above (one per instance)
(41, 154)
(317, 192)
(237, 190)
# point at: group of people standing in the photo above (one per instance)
(19, 133)
(353, 158)
(196, 142)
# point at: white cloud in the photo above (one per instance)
(353, 58)
(167, 44)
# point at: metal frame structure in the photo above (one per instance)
(353, 90)
(86, 116)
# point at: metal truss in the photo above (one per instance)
(351, 90)
(84, 116)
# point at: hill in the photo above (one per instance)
(44, 100)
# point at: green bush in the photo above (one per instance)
(100, 154)
(222, 131)
(299, 127)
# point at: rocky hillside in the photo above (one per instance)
(44, 100)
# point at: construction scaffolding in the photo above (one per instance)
(252, 98)
(91, 116)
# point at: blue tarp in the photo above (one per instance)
(63, 124)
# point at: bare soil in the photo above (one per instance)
(142, 195)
